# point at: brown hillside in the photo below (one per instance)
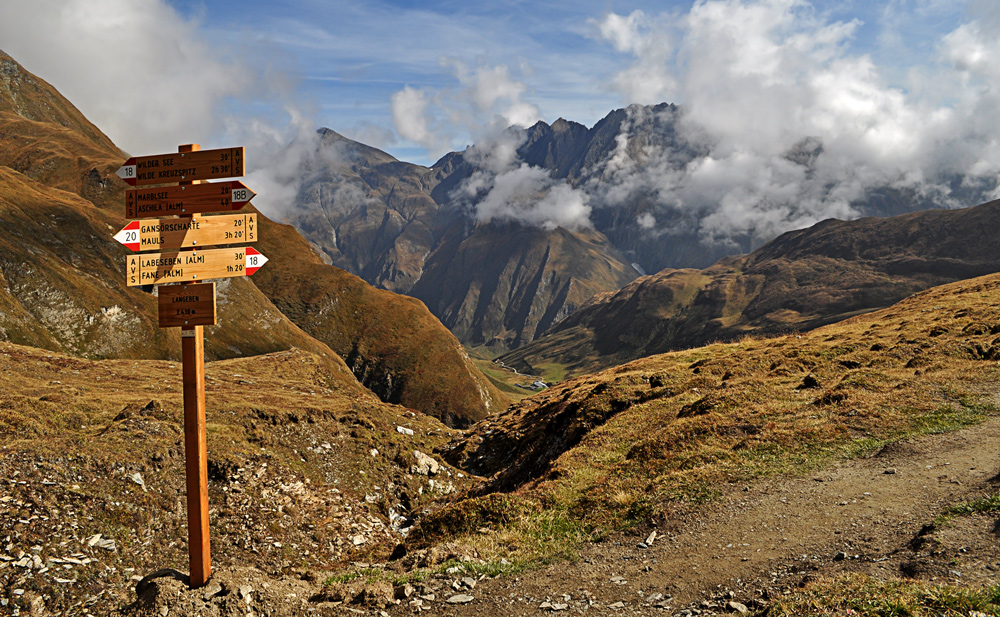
(736, 443)
(307, 471)
(64, 275)
(798, 281)
(871, 376)
(391, 342)
(43, 136)
(64, 283)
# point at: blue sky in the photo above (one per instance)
(898, 92)
(348, 58)
(340, 63)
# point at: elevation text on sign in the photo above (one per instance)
(187, 199)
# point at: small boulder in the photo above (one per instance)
(426, 465)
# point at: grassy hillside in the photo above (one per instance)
(391, 342)
(658, 437)
(305, 467)
(63, 274)
(801, 280)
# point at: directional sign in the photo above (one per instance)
(187, 232)
(187, 199)
(188, 266)
(182, 167)
(187, 305)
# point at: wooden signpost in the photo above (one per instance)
(188, 232)
(194, 164)
(185, 200)
(190, 304)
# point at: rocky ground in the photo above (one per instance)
(741, 554)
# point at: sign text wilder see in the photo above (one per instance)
(186, 200)
(182, 167)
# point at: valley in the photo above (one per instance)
(809, 428)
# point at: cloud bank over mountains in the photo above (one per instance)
(791, 125)
(785, 118)
(795, 126)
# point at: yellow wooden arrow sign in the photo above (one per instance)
(192, 266)
(188, 232)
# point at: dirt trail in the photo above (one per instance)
(753, 545)
(858, 515)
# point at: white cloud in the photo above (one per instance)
(785, 126)
(529, 195)
(505, 188)
(487, 97)
(135, 68)
(410, 115)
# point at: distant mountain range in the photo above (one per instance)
(799, 281)
(500, 282)
(62, 281)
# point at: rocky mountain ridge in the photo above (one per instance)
(62, 281)
(799, 281)
(461, 234)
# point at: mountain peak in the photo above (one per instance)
(326, 133)
(561, 125)
(32, 98)
(357, 152)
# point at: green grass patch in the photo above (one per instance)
(862, 596)
(864, 447)
(552, 372)
(947, 418)
(987, 505)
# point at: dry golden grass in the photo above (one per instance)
(613, 449)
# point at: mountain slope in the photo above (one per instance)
(495, 284)
(645, 442)
(638, 189)
(391, 342)
(43, 136)
(798, 281)
(502, 285)
(63, 286)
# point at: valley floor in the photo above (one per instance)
(754, 547)
(760, 542)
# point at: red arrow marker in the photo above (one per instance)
(129, 236)
(254, 260)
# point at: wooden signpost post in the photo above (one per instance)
(190, 304)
